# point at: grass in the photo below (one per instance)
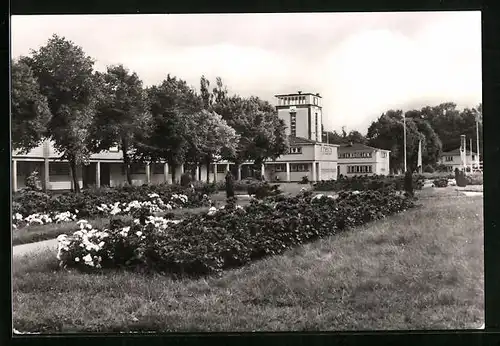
(417, 270)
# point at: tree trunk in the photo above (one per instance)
(207, 162)
(126, 162)
(74, 176)
(173, 167)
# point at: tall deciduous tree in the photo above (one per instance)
(387, 132)
(261, 132)
(67, 79)
(213, 138)
(30, 112)
(123, 115)
(172, 103)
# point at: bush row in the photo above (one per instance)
(28, 202)
(246, 185)
(229, 237)
(368, 182)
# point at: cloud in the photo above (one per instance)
(362, 63)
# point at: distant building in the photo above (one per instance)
(360, 159)
(302, 114)
(452, 159)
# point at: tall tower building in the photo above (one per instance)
(302, 114)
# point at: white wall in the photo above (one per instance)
(328, 170)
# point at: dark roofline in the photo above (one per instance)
(297, 94)
(457, 151)
(361, 146)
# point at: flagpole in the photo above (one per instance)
(404, 131)
(477, 139)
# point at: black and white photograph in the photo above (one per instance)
(272, 172)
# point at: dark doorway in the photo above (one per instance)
(105, 174)
(89, 175)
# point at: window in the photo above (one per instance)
(59, 168)
(295, 150)
(136, 168)
(293, 124)
(157, 168)
(359, 169)
(316, 127)
(280, 167)
(355, 155)
(384, 154)
(221, 168)
(299, 167)
(315, 99)
(449, 158)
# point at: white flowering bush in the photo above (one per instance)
(226, 237)
(121, 244)
(135, 208)
(19, 221)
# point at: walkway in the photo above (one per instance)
(24, 249)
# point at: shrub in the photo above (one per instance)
(262, 190)
(429, 169)
(460, 178)
(229, 185)
(185, 179)
(225, 238)
(408, 183)
(475, 179)
(441, 168)
(33, 181)
(374, 182)
(440, 182)
(305, 180)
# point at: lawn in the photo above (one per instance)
(422, 269)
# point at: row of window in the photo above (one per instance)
(359, 169)
(293, 124)
(294, 167)
(298, 100)
(355, 155)
(450, 158)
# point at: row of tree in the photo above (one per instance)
(57, 94)
(438, 127)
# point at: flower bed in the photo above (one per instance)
(227, 237)
(153, 204)
(374, 182)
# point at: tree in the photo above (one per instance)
(123, 114)
(172, 103)
(213, 138)
(431, 143)
(66, 78)
(30, 112)
(387, 132)
(261, 132)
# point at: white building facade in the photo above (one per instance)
(452, 159)
(360, 159)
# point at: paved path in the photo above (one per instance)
(20, 250)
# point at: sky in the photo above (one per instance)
(362, 64)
